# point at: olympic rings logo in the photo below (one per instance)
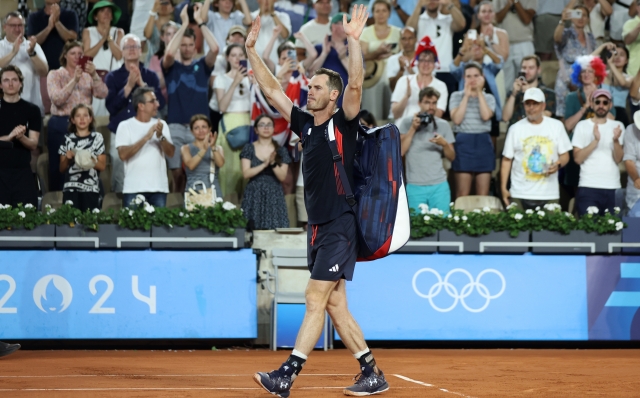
(452, 291)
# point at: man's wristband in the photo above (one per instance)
(200, 25)
(32, 54)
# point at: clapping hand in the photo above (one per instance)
(212, 139)
(617, 132)
(18, 132)
(32, 44)
(596, 132)
(158, 129)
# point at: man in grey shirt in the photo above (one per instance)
(426, 139)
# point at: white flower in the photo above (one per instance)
(96, 211)
(541, 213)
(611, 221)
(451, 204)
(529, 211)
(619, 225)
(186, 216)
(130, 213)
(606, 210)
(592, 210)
(228, 206)
(537, 208)
(148, 208)
(616, 209)
(566, 213)
(427, 218)
(424, 209)
(68, 202)
(512, 205)
(486, 209)
(477, 211)
(518, 216)
(139, 199)
(181, 214)
(435, 212)
(46, 206)
(219, 200)
(456, 218)
(21, 214)
(552, 206)
(440, 213)
(449, 216)
(51, 211)
(464, 218)
(28, 206)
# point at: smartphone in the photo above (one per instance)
(394, 45)
(522, 76)
(575, 14)
(83, 61)
(472, 34)
(244, 64)
(329, 38)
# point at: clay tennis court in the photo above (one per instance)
(410, 372)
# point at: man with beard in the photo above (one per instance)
(530, 70)
(332, 236)
(535, 149)
(597, 148)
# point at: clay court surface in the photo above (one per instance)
(411, 373)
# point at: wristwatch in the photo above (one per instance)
(32, 54)
(163, 138)
(397, 7)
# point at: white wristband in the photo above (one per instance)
(153, 14)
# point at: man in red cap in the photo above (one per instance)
(404, 100)
(597, 148)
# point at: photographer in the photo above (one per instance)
(616, 57)
(426, 139)
(529, 77)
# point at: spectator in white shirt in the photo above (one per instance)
(143, 142)
(221, 21)
(535, 149)
(597, 148)
(269, 18)
(316, 29)
(399, 64)
(632, 164)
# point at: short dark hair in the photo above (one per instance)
(189, 33)
(483, 2)
(531, 57)
(17, 71)
(72, 128)
(368, 118)
(138, 96)
(287, 45)
(67, 47)
(428, 92)
(198, 117)
(335, 80)
(473, 64)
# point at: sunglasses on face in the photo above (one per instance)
(603, 102)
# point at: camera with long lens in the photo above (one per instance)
(425, 118)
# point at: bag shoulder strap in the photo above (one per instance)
(306, 130)
(337, 161)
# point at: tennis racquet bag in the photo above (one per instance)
(379, 199)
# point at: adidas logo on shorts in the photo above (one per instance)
(335, 268)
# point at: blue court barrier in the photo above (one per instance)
(497, 297)
(127, 294)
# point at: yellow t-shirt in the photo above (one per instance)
(634, 48)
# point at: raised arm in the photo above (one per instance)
(266, 54)
(415, 15)
(174, 44)
(267, 82)
(210, 57)
(353, 91)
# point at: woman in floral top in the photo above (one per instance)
(72, 84)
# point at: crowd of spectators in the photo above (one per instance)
(462, 80)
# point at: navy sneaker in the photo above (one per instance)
(6, 349)
(367, 383)
(274, 382)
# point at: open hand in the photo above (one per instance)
(184, 16)
(17, 43)
(196, 13)
(438, 140)
(252, 37)
(359, 17)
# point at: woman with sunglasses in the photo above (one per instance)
(265, 164)
(234, 102)
(102, 43)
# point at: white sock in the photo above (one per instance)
(299, 354)
(357, 355)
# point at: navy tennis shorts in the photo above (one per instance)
(332, 249)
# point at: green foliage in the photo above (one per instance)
(22, 216)
(426, 222)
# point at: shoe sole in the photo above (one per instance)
(363, 394)
(258, 379)
(9, 351)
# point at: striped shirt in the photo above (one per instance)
(472, 122)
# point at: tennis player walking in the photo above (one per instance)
(332, 238)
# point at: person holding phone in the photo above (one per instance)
(233, 91)
(75, 82)
(379, 41)
(270, 18)
(187, 81)
(570, 43)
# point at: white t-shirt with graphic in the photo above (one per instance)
(439, 30)
(598, 170)
(533, 147)
(146, 171)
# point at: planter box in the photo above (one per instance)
(41, 231)
(109, 233)
(472, 243)
(65, 231)
(601, 241)
(631, 234)
(414, 245)
(183, 233)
